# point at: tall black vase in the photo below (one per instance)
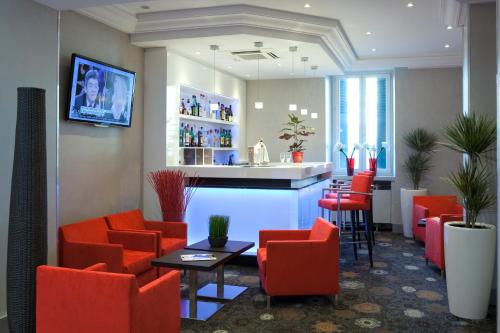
(27, 244)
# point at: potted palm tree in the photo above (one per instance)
(422, 144)
(469, 246)
(296, 131)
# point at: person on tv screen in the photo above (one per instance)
(91, 89)
(119, 112)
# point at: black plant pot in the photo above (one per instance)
(27, 244)
(217, 241)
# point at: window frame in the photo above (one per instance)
(363, 159)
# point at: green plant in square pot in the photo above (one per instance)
(218, 226)
(422, 144)
(469, 246)
(296, 131)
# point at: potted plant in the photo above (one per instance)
(349, 161)
(422, 144)
(218, 226)
(469, 246)
(296, 131)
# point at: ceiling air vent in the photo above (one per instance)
(254, 54)
(272, 55)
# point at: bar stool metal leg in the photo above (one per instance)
(369, 237)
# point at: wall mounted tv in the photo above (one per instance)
(101, 94)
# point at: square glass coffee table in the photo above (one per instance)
(220, 291)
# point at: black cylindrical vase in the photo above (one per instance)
(27, 244)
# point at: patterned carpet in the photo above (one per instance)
(400, 294)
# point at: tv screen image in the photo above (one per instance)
(100, 93)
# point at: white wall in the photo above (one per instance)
(100, 168)
(164, 69)
(28, 57)
(428, 98)
(277, 95)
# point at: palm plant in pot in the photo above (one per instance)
(218, 226)
(422, 144)
(470, 246)
(296, 131)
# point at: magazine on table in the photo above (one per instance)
(198, 257)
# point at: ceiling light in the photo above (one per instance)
(279, 65)
(198, 52)
(374, 50)
(410, 5)
(449, 27)
(446, 46)
(214, 106)
(229, 67)
(314, 115)
(259, 105)
(307, 5)
(292, 107)
(303, 112)
(368, 33)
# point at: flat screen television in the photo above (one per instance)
(101, 94)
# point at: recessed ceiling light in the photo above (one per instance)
(145, 7)
(279, 65)
(368, 33)
(447, 46)
(307, 5)
(410, 5)
(229, 67)
(197, 52)
(449, 27)
(373, 50)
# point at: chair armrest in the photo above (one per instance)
(354, 192)
(100, 267)
(168, 229)
(82, 255)
(134, 240)
(419, 212)
(158, 305)
(268, 235)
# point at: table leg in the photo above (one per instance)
(193, 288)
(220, 281)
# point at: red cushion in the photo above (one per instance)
(171, 244)
(90, 231)
(137, 262)
(334, 196)
(321, 230)
(132, 219)
(262, 259)
(345, 204)
(361, 183)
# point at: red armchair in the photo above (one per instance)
(93, 300)
(171, 235)
(434, 236)
(89, 242)
(300, 262)
(432, 206)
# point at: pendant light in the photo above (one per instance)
(314, 115)
(304, 60)
(292, 49)
(259, 105)
(214, 106)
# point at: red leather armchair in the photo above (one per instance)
(86, 243)
(171, 235)
(300, 262)
(432, 206)
(92, 300)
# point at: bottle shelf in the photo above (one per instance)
(213, 148)
(208, 120)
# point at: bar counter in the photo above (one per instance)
(278, 196)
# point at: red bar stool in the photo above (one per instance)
(358, 200)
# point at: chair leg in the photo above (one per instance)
(356, 215)
(443, 274)
(426, 262)
(268, 302)
(370, 218)
(353, 233)
(369, 237)
(334, 299)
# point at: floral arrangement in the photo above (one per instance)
(341, 148)
(373, 151)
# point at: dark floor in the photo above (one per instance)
(400, 294)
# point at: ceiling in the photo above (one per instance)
(400, 36)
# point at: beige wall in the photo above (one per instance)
(28, 57)
(100, 168)
(428, 98)
(276, 95)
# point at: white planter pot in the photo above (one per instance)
(407, 209)
(469, 257)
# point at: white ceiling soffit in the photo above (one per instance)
(77, 4)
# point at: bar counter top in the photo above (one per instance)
(290, 171)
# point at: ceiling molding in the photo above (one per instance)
(408, 62)
(114, 16)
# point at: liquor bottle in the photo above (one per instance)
(201, 139)
(181, 106)
(191, 138)
(229, 139)
(218, 111)
(222, 112)
(181, 135)
(216, 138)
(230, 113)
(222, 138)
(193, 106)
(188, 109)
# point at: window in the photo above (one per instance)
(363, 117)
